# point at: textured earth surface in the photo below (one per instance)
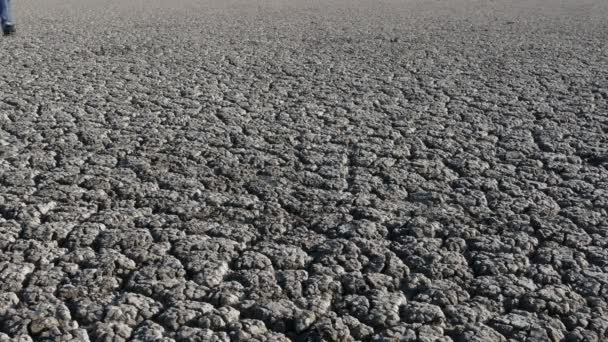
(304, 171)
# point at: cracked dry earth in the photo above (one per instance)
(304, 171)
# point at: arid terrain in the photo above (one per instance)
(282, 170)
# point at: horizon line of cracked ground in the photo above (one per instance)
(390, 172)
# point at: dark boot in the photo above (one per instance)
(8, 29)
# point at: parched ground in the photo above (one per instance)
(304, 171)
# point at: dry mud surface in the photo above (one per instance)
(304, 171)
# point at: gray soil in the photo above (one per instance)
(194, 170)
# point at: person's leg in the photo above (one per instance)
(6, 17)
(9, 12)
(3, 14)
